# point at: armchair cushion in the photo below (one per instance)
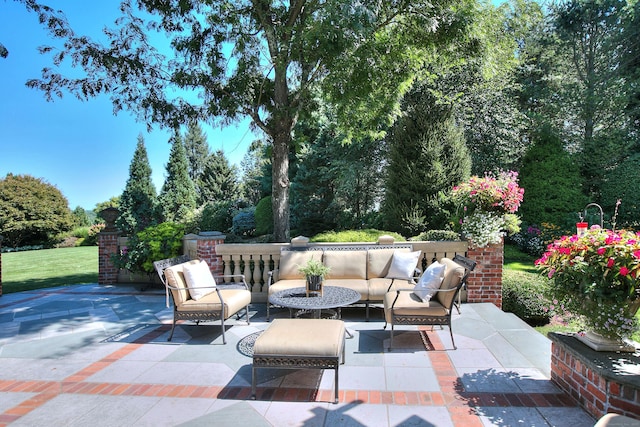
(234, 301)
(199, 279)
(403, 265)
(453, 275)
(430, 281)
(408, 304)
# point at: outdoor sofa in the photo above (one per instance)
(372, 271)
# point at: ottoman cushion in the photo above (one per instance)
(301, 337)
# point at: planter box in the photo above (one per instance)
(600, 382)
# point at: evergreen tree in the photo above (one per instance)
(197, 149)
(177, 199)
(551, 181)
(81, 217)
(427, 157)
(138, 200)
(251, 183)
(218, 181)
(313, 189)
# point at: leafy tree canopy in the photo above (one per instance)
(260, 59)
(32, 211)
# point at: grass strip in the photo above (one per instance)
(46, 268)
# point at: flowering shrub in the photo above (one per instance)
(533, 239)
(489, 205)
(154, 243)
(595, 276)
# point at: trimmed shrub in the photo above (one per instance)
(244, 222)
(523, 294)
(368, 235)
(437, 236)
(264, 217)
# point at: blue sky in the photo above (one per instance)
(80, 147)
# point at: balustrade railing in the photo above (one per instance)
(256, 260)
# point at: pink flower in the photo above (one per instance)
(601, 251)
(610, 262)
(624, 271)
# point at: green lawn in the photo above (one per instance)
(22, 271)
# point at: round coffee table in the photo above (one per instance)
(332, 298)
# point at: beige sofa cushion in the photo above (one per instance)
(346, 264)
(379, 261)
(379, 287)
(291, 261)
(282, 285)
(358, 285)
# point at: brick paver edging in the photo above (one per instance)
(460, 404)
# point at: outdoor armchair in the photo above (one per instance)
(404, 307)
(224, 301)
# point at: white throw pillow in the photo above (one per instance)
(200, 281)
(403, 265)
(430, 281)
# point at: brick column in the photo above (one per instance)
(107, 247)
(0, 266)
(203, 246)
(485, 282)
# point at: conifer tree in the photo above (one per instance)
(427, 157)
(177, 199)
(197, 149)
(218, 181)
(138, 200)
(551, 180)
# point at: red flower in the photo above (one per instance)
(610, 262)
(624, 271)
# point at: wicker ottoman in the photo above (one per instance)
(300, 344)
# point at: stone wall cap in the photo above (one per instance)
(205, 235)
(623, 368)
(300, 241)
(385, 239)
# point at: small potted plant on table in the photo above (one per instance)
(315, 272)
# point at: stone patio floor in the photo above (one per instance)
(93, 355)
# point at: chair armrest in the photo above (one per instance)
(242, 281)
(272, 277)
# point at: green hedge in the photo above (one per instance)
(523, 295)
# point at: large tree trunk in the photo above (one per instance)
(282, 123)
(280, 186)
